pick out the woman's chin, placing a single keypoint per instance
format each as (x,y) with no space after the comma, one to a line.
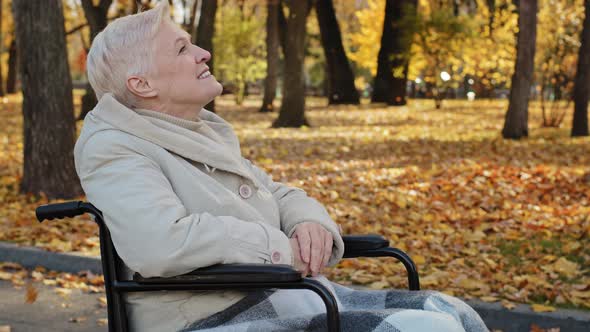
(219,89)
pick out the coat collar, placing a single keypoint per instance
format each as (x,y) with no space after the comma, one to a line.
(223,154)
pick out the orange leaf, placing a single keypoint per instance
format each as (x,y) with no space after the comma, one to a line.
(31,295)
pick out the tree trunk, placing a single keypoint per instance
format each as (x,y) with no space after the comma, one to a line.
(582,82)
(491,4)
(204,35)
(190,25)
(341,89)
(97,20)
(49,126)
(282,27)
(272,56)
(394,53)
(292,112)
(1,50)
(12,64)
(516,122)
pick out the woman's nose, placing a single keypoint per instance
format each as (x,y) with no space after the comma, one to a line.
(202,55)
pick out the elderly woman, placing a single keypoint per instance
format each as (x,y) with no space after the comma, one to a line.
(177,195)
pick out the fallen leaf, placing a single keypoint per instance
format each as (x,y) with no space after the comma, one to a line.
(438,184)
(566,267)
(419,259)
(379,285)
(63,291)
(37,276)
(31,294)
(508,305)
(582,295)
(489,299)
(542,308)
(469,283)
(77,319)
(49,282)
(102,301)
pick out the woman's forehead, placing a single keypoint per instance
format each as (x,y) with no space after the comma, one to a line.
(170,34)
(168,39)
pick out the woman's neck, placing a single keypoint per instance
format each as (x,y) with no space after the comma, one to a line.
(187,112)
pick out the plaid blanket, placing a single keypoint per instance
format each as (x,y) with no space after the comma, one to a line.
(360,310)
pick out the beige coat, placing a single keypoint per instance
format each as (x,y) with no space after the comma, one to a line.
(177,195)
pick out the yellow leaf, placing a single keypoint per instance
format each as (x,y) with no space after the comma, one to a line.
(549,258)
(542,308)
(468,283)
(419,259)
(428,218)
(571,246)
(429,281)
(102,321)
(379,285)
(566,268)
(473,236)
(582,295)
(471,251)
(37,276)
(103,301)
(489,298)
(508,305)
(63,291)
(401,202)
(490,262)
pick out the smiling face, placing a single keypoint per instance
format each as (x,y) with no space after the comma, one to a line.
(179,80)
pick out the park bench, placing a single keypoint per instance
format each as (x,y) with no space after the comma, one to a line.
(218,277)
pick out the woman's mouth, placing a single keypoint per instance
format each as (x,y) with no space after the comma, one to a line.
(204,75)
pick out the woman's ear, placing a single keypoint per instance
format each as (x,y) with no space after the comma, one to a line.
(140,87)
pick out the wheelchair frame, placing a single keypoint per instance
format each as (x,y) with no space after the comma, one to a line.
(218,277)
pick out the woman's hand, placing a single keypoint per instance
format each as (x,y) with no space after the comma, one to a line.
(298,263)
(312,247)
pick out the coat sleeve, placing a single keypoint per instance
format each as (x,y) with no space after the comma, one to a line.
(296,207)
(151,229)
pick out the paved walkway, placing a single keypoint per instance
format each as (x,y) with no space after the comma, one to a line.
(50,312)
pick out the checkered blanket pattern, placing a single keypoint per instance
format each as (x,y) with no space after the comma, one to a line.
(360,310)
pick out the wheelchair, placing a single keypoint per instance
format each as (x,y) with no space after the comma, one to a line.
(218,277)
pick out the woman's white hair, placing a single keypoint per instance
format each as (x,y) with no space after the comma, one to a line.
(122,49)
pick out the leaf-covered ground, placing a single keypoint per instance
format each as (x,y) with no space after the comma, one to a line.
(482,217)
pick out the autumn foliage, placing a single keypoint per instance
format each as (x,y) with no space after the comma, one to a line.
(481,216)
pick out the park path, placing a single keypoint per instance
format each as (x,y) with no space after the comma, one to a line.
(77,311)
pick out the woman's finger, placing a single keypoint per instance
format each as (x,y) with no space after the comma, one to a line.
(317,246)
(328,243)
(299,265)
(304,241)
(321,253)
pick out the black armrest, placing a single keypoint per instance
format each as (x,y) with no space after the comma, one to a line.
(59,210)
(357,245)
(229,273)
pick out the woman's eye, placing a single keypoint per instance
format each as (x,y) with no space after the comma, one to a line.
(182,49)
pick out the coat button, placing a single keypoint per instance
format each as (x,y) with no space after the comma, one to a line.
(245,191)
(275,257)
